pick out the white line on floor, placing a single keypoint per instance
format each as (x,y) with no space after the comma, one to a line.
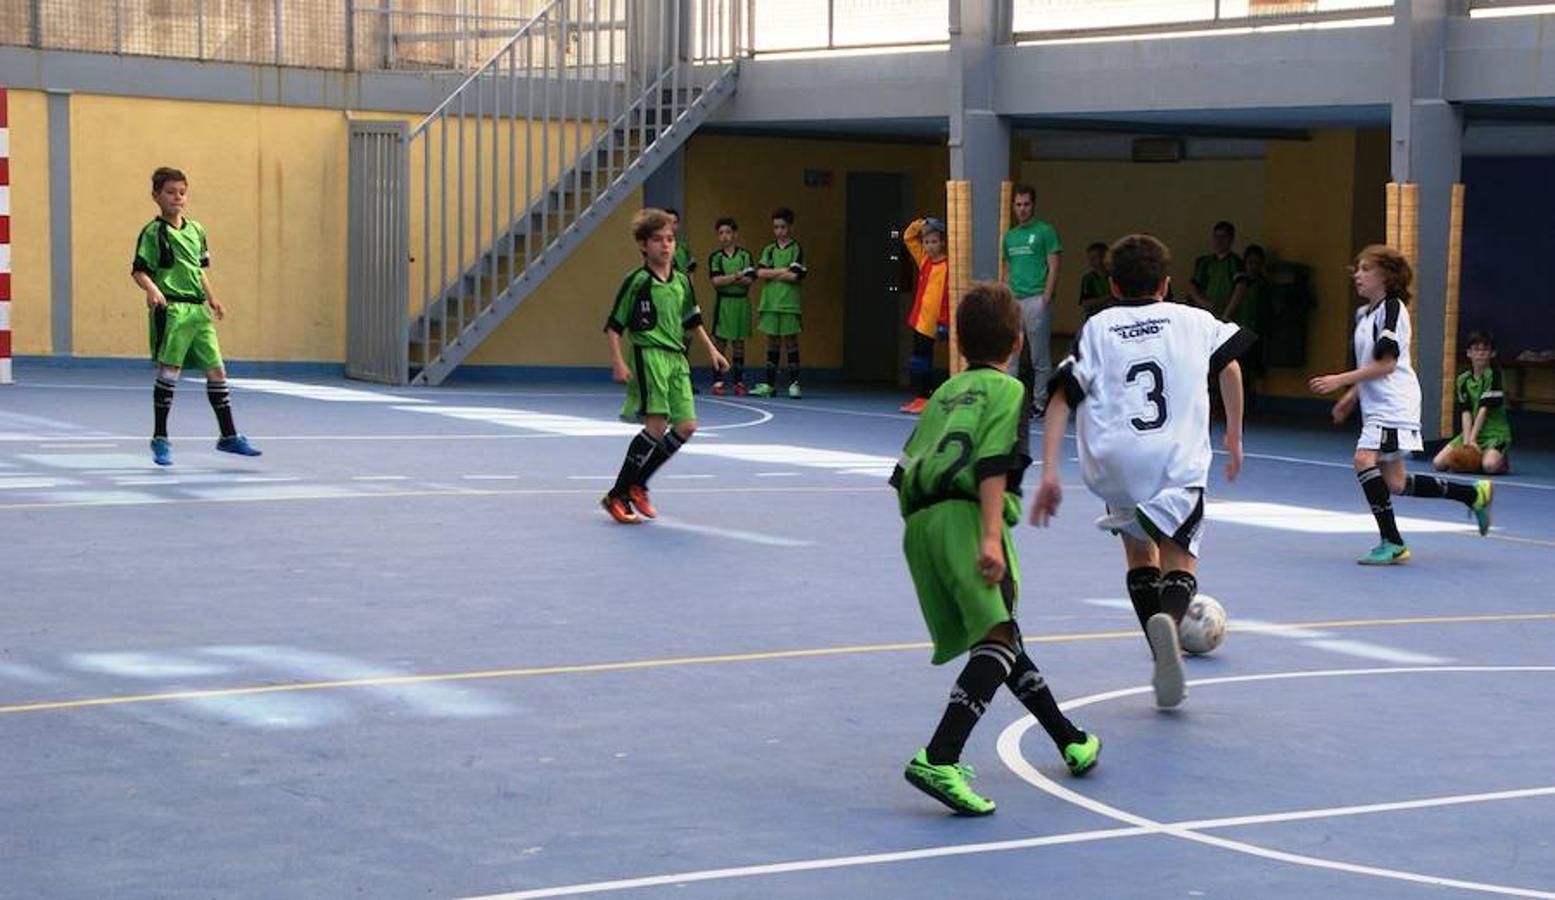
(380,477)
(733,534)
(490,477)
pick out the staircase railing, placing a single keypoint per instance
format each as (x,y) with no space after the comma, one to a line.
(512,170)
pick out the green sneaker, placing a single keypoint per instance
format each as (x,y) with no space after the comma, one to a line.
(948,785)
(1484,494)
(761,390)
(1082,756)
(1386,553)
(793,391)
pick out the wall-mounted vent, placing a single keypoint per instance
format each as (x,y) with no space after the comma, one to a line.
(1158,149)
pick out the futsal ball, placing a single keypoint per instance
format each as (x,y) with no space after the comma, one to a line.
(1204,625)
(1464,460)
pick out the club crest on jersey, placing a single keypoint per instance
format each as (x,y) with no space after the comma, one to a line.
(1139,330)
(969,397)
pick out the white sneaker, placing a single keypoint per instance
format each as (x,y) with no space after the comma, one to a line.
(1168,681)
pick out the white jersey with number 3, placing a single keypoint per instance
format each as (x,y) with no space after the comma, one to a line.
(1139,381)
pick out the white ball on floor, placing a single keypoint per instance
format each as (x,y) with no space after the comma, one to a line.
(1203,627)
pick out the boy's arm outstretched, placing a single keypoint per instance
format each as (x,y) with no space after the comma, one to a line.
(990,554)
(1050,493)
(1231,397)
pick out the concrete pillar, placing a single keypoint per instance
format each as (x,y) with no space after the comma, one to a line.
(1427,149)
(979,138)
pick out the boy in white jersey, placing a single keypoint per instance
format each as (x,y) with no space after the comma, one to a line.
(1384,385)
(1139,380)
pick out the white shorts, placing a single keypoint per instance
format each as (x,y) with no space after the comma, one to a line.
(1175,514)
(1390,443)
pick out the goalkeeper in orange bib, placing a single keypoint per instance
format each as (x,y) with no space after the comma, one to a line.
(929,318)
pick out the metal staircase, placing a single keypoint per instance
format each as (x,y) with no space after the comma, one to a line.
(456,222)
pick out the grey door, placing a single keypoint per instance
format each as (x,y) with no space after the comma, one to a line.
(873,331)
(377,323)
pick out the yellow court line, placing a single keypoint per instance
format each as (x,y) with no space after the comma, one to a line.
(443,492)
(392,680)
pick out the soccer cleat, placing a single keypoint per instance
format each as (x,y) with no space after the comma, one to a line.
(761,390)
(620,510)
(237,443)
(640,502)
(793,391)
(740,389)
(161,451)
(1081,757)
(718,389)
(1484,495)
(948,784)
(913,407)
(1386,553)
(1168,680)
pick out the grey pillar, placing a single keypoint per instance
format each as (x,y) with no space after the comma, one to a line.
(979,138)
(666,187)
(1427,150)
(61,241)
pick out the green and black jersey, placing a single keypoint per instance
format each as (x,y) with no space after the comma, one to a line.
(173,257)
(1487,392)
(684,261)
(782,296)
(968,431)
(1093,287)
(721,263)
(655,312)
(1216,277)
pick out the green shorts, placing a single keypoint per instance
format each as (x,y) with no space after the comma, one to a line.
(958,606)
(660,385)
(732,318)
(183,336)
(779,324)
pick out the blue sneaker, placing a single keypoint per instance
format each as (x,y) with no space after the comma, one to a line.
(1385,553)
(238,444)
(1484,495)
(161,451)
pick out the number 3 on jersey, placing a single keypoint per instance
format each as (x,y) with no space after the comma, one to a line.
(1148,373)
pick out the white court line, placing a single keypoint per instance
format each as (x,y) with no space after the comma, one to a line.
(490,477)
(10,483)
(1322,640)
(777,474)
(734,534)
(1009,752)
(380,477)
(84,444)
(590,477)
(690,477)
(1075,837)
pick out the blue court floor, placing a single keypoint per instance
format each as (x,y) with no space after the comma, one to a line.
(405,654)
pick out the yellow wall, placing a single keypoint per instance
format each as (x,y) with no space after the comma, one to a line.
(30,281)
(748,177)
(1318,200)
(269,185)
(1177,202)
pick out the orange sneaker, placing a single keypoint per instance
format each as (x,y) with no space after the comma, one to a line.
(740,389)
(639,497)
(620,510)
(718,389)
(914,406)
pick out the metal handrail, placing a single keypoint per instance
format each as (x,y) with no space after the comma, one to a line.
(1216,22)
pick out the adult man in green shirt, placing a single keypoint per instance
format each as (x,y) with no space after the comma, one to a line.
(1031,249)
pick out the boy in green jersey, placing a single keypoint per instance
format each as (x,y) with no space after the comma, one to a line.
(958,488)
(1481,404)
(171,256)
(654,308)
(1219,278)
(684,260)
(1093,283)
(782,266)
(731,270)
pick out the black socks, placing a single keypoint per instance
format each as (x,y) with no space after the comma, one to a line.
(1375,487)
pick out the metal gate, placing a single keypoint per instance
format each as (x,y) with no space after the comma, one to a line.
(377,299)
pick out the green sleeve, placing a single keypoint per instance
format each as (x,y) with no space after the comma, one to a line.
(766,257)
(1054,245)
(995,450)
(622,306)
(147,254)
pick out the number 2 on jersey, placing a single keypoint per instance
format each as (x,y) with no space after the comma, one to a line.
(1155,394)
